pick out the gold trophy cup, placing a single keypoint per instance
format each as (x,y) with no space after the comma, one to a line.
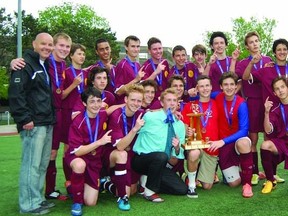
(195,141)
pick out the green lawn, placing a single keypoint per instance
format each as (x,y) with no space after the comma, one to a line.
(221,200)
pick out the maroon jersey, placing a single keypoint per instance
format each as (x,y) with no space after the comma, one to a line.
(79,135)
(125,72)
(251,90)
(55,71)
(217,69)
(266,80)
(68,76)
(155,104)
(161,79)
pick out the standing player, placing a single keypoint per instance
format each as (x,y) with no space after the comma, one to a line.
(253,93)
(280,68)
(86,139)
(234,145)
(184,68)
(127,71)
(219,62)
(156,68)
(276,127)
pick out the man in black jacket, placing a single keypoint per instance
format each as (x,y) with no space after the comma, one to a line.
(30,100)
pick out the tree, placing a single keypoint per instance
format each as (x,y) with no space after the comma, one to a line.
(82,24)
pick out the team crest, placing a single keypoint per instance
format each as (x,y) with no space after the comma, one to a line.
(190,73)
(166,73)
(104,126)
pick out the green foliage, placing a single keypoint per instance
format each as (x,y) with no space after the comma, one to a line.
(264,28)
(82,24)
(4,81)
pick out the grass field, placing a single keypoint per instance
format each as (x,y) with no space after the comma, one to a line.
(221,200)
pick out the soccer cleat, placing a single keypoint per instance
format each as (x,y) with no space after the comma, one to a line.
(247,191)
(123,203)
(154,198)
(76,209)
(192,193)
(269,186)
(56,195)
(255,179)
(103,181)
(198,184)
(46,204)
(262,175)
(39,211)
(141,190)
(279,179)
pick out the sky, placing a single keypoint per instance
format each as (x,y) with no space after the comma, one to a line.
(180,22)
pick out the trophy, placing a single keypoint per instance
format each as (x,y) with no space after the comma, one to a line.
(196,141)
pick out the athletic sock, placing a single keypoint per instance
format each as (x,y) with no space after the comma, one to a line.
(267,163)
(246,163)
(192,179)
(77,187)
(51,177)
(67,169)
(255,163)
(120,179)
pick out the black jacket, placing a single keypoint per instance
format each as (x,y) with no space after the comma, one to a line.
(30,95)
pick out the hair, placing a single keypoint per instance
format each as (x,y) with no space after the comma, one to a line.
(130,37)
(227,75)
(217,34)
(175,77)
(250,34)
(278,79)
(94,71)
(277,42)
(100,40)
(135,88)
(90,91)
(167,91)
(151,83)
(199,48)
(152,41)
(74,47)
(203,77)
(178,48)
(61,35)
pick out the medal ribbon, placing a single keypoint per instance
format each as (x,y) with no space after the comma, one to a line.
(80,87)
(229,116)
(205,118)
(254,65)
(279,73)
(159,76)
(284,117)
(57,81)
(133,65)
(220,67)
(125,121)
(90,130)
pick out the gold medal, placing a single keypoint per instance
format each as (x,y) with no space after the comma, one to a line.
(93,152)
(58,91)
(185,92)
(203,130)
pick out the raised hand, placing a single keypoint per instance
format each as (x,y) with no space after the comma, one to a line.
(268,105)
(106,138)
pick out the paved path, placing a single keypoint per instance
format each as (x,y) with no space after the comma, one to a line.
(8,130)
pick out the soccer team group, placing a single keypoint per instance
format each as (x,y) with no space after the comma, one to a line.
(125,126)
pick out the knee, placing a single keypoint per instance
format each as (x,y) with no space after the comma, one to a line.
(193,155)
(122,156)
(90,202)
(161,157)
(79,165)
(207,186)
(265,145)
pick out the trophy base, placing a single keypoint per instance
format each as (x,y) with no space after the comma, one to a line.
(195,144)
